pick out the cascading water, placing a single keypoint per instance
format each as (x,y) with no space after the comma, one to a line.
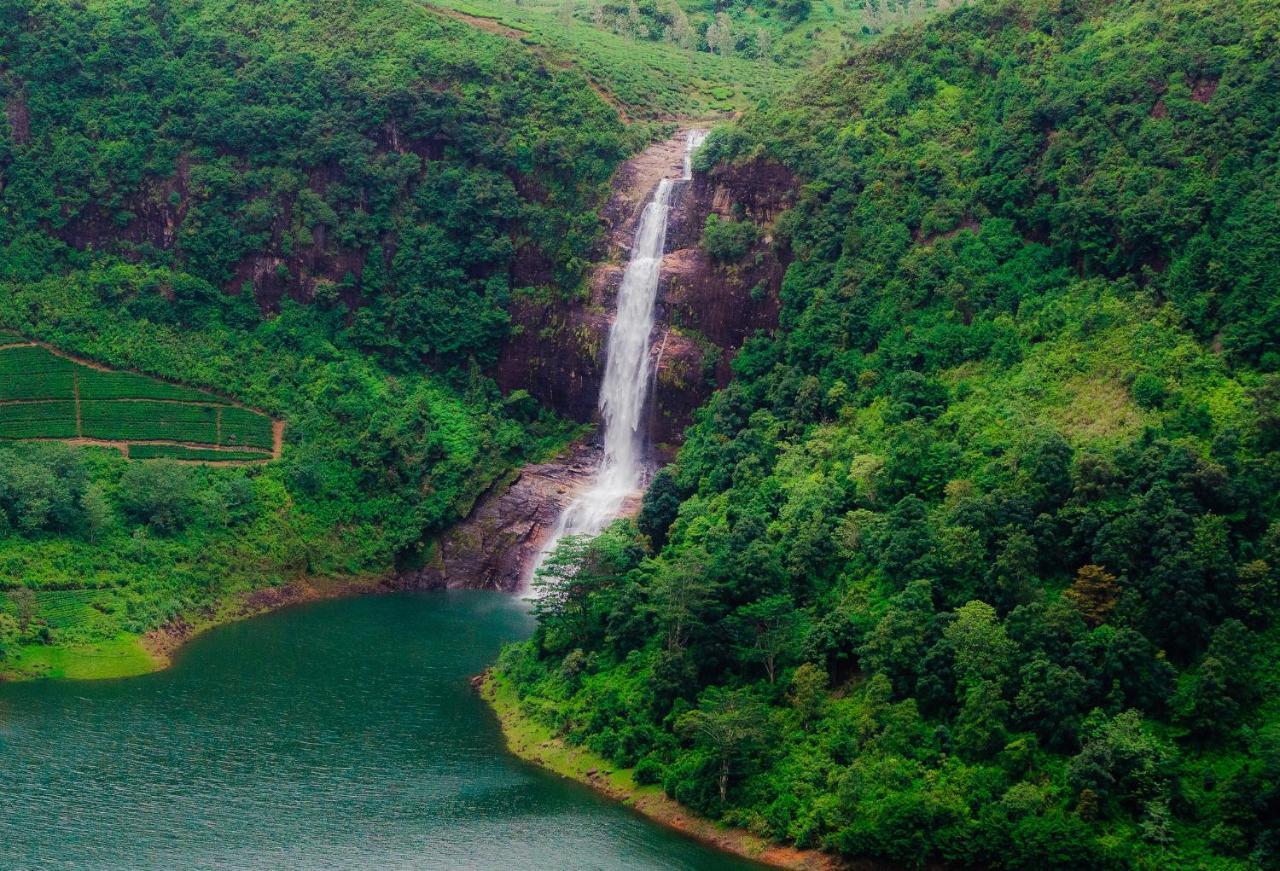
(626,376)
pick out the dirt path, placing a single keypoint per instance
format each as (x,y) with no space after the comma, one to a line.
(277,438)
(491,25)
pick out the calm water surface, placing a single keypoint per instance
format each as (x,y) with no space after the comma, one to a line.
(336,735)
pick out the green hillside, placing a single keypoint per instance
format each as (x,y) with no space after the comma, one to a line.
(315,209)
(692,59)
(976,559)
(44,395)
(363,153)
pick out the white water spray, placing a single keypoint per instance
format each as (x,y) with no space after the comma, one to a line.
(626,376)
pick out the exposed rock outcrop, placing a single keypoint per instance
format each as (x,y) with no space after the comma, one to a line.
(705,309)
(18,117)
(494,547)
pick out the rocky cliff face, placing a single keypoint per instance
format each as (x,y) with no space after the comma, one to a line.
(494,547)
(557,350)
(705,309)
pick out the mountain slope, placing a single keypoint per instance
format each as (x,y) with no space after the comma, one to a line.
(368,153)
(976,559)
(175,177)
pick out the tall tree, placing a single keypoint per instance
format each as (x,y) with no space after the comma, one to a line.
(731,723)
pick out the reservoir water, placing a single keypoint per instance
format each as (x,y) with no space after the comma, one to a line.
(337,735)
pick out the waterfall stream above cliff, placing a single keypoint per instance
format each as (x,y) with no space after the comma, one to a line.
(627,377)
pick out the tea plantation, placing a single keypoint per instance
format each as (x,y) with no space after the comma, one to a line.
(45,395)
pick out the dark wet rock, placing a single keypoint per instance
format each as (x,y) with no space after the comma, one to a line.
(494,548)
(706,309)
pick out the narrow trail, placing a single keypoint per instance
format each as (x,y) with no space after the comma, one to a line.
(277,438)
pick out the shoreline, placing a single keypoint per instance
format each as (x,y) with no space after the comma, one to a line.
(135,655)
(164,642)
(534,743)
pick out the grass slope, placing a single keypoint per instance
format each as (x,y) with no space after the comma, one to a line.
(655,60)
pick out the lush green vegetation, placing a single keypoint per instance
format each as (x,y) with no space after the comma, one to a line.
(976,560)
(46,419)
(370,151)
(46,396)
(165,167)
(692,58)
(31,372)
(726,239)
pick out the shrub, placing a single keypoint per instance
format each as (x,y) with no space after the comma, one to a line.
(727,240)
(648,770)
(1149,391)
(159,494)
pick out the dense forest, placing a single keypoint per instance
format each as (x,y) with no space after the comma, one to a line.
(975,561)
(320,209)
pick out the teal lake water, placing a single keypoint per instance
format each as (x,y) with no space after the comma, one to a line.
(338,735)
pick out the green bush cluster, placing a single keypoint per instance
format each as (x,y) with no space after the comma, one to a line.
(727,240)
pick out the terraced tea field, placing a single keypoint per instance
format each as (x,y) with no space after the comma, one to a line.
(45,394)
(65,610)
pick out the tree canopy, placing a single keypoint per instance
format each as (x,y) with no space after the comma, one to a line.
(987,529)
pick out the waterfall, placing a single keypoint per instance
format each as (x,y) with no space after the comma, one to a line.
(626,376)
